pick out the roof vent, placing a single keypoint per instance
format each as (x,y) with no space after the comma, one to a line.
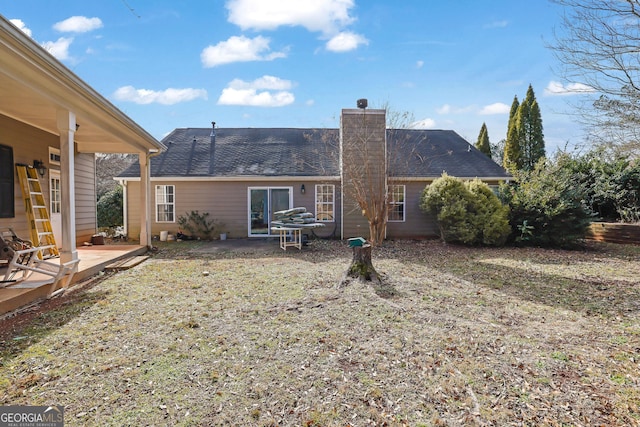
(362,103)
(213,132)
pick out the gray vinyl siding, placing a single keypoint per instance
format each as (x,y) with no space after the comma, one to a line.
(86,204)
(417,224)
(132,208)
(28,144)
(225,201)
(31,144)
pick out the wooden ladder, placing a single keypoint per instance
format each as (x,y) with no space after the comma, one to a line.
(37,212)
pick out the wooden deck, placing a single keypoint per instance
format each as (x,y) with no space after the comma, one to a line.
(93,259)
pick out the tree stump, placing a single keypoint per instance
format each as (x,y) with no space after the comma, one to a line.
(361,266)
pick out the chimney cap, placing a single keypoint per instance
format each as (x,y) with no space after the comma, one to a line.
(362,103)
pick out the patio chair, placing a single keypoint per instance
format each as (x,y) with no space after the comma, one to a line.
(23,260)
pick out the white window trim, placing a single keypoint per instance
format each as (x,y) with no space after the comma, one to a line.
(55,203)
(54,152)
(333,202)
(403,203)
(172,204)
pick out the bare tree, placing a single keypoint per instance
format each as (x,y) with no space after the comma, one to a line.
(364,169)
(598,46)
(108,166)
(367,163)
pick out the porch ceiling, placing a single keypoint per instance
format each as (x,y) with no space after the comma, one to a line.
(34,86)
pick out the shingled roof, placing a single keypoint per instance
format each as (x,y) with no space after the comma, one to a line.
(271,152)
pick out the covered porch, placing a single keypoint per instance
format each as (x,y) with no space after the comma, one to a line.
(93,259)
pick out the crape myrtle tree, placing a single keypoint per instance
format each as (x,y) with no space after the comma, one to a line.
(364,172)
(597,46)
(367,166)
(483,143)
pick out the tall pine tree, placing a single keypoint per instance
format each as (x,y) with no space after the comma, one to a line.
(483,143)
(511,160)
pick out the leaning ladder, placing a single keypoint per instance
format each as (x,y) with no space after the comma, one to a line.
(37,212)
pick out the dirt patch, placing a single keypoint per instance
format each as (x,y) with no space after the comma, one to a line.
(265,337)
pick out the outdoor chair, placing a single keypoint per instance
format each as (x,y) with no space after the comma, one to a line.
(23,260)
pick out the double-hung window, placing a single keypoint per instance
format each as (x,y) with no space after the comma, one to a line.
(325,202)
(165,203)
(396,202)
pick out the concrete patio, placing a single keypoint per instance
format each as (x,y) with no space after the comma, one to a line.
(93,259)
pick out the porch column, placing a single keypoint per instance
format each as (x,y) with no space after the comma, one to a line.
(145,199)
(67,128)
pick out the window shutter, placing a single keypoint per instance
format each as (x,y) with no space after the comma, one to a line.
(7,190)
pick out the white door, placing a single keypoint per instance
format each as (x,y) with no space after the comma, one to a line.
(54,205)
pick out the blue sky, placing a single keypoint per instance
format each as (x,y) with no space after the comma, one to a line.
(297,63)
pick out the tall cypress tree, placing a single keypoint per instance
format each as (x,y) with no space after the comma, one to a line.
(483,143)
(511,160)
(538,150)
(524,145)
(522,124)
(530,131)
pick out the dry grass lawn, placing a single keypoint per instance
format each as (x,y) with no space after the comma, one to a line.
(472,337)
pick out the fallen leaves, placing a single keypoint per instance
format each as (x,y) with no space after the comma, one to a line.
(267,338)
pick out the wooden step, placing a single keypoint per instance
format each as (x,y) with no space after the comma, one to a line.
(127,263)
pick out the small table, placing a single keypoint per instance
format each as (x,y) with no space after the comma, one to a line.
(285,242)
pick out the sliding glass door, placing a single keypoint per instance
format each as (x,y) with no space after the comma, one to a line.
(263,202)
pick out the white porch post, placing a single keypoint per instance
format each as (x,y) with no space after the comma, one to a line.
(67,127)
(145,200)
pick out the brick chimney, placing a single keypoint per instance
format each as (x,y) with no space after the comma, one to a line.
(363,156)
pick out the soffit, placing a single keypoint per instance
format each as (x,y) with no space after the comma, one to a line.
(34,86)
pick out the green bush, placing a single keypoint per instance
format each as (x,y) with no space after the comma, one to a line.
(611,183)
(491,216)
(467,213)
(110,208)
(197,224)
(547,206)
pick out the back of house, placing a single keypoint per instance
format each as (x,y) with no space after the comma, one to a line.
(239,177)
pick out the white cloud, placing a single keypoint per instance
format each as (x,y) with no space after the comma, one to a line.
(21,25)
(166,97)
(419,64)
(264,82)
(448,109)
(423,124)
(346,41)
(325,16)
(558,89)
(267,91)
(239,49)
(78,24)
(445,109)
(496,108)
(59,48)
(496,24)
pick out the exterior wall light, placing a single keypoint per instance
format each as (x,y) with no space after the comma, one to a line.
(37,164)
